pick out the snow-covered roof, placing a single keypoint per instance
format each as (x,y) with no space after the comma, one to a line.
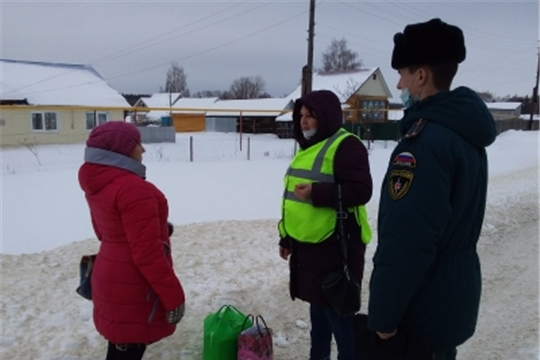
(194,103)
(342,84)
(249,107)
(503,105)
(163,99)
(43,83)
(287,117)
(198,104)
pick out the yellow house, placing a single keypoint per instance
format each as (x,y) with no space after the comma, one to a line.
(187,114)
(363,94)
(51,103)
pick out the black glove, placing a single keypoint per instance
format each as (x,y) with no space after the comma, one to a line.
(174,316)
(171,228)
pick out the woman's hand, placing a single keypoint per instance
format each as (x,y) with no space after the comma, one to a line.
(284,253)
(303,191)
(174,316)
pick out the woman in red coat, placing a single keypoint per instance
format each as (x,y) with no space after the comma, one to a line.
(137,297)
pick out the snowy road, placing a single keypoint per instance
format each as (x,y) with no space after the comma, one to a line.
(237,262)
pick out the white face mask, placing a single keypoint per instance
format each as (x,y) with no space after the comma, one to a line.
(308,134)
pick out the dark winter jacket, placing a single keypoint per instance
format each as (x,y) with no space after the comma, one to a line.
(426,274)
(133,281)
(310,263)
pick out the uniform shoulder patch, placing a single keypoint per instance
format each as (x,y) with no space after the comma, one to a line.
(405,159)
(416,129)
(399,183)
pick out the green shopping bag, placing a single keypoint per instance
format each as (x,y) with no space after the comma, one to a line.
(221,331)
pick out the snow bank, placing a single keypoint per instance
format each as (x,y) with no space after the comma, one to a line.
(236,262)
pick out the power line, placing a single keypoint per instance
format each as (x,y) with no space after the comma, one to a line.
(474,32)
(366,12)
(180,59)
(384,56)
(353,35)
(177,36)
(122,52)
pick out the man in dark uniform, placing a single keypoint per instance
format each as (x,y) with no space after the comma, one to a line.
(426,277)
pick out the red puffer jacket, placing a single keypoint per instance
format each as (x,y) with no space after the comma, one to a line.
(133,281)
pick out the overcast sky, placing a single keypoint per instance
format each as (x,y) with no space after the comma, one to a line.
(132,43)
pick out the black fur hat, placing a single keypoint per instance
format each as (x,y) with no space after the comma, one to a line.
(429,43)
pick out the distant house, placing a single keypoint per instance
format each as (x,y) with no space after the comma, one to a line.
(254,116)
(46,103)
(363,94)
(504,110)
(133,98)
(157,100)
(186,114)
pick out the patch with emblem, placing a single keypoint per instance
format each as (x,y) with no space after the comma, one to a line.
(399,183)
(405,159)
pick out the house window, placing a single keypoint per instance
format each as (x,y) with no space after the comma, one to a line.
(92,122)
(372,110)
(44,121)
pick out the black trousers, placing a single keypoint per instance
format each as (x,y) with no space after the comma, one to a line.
(125,351)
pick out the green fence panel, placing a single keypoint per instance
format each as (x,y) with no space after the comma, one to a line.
(378,131)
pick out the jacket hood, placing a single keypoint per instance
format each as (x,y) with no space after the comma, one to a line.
(326,107)
(102,167)
(461,110)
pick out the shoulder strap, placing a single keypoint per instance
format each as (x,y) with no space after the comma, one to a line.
(341,215)
(416,129)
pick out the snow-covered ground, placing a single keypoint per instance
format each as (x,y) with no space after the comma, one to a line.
(225,247)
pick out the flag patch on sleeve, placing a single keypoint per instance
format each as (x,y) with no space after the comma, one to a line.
(405,159)
(399,183)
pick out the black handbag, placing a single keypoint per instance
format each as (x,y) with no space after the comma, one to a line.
(339,287)
(85,273)
(405,345)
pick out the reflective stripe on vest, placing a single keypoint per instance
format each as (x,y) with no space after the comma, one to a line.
(300,219)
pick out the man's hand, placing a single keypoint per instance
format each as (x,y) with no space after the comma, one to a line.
(302,191)
(284,253)
(386,336)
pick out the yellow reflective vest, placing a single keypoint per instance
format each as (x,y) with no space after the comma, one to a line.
(300,219)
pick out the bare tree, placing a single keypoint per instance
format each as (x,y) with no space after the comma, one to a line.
(338,57)
(208,93)
(250,87)
(176,81)
(350,89)
(486,96)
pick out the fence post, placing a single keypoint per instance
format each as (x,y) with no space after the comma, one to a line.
(191,148)
(249,148)
(241,121)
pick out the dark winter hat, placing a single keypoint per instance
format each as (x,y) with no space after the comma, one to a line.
(429,43)
(116,136)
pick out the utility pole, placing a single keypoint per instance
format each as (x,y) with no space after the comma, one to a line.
(534,99)
(307,71)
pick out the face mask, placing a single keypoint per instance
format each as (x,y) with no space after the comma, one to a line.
(407,99)
(308,134)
